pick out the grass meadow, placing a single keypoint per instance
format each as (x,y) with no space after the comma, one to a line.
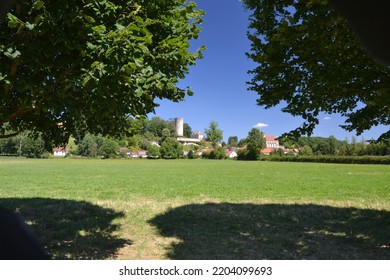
(201,209)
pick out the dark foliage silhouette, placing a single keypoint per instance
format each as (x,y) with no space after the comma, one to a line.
(70,229)
(17,242)
(275,231)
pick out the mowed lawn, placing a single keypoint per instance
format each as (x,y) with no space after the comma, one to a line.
(201,209)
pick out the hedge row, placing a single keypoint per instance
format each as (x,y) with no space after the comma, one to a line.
(331,159)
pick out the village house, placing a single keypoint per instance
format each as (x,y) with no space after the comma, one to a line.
(271,144)
(139,154)
(197,135)
(60,151)
(292,151)
(267,151)
(231,154)
(125,150)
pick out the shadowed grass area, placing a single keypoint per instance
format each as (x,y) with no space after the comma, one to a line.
(70,229)
(274,231)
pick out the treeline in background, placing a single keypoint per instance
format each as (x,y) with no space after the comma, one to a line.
(158,138)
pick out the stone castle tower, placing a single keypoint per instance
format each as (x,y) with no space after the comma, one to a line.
(179,122)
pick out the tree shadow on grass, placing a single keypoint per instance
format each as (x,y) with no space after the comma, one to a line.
(275,231)
(70,229)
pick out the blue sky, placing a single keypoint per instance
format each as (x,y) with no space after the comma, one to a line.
(219,83)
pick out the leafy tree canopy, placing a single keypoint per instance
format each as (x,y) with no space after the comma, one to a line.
(156,126)
(232,141)
(171,149)
(256,138)
(255,143)
(81,65)
(153,151)
(187,130)
(213,133)
(310,61)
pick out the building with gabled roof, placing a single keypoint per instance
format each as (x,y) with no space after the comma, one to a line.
(60,151)
(272,142)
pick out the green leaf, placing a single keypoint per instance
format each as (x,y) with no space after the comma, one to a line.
(100,29)
(13,21)
(4,78)
(130,68)
(190,92)
(91,46)
(139,62)
(11,53)
(30,26)
(38,5)
(95,64)
(119,26)
(89,19)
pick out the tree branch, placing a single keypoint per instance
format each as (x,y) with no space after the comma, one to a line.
(5,136)
(15,115)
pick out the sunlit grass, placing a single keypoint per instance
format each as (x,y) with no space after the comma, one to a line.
(136,194)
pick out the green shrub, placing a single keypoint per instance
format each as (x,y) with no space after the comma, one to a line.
(153,151)
(192,155)
(331,159)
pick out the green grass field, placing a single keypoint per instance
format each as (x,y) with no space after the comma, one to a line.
(201,209)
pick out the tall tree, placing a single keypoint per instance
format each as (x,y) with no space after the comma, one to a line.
(81,65)
(255,143)
(171,149)
(156,125)
(309,59)
(153,151)
(232,141)
(332,145)
(109,148)
(213,133)
(165,134)
(187,130)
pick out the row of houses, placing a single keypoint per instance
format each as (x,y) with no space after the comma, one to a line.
(62,151)
(230,153)
(134,154)
(272,144)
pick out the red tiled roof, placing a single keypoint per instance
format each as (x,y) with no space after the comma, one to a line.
(270,138)
(61,149)
(267,151)
(124,150)
(228,152)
